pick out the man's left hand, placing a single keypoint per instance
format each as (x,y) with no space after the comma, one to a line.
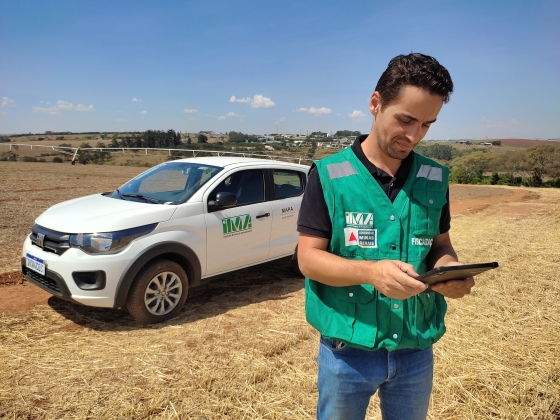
(454,289)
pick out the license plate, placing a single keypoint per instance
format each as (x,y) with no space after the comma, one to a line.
(35,264)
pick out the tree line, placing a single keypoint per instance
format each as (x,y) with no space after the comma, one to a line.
(537,166)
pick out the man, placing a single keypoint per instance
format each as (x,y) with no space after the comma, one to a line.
(373,217)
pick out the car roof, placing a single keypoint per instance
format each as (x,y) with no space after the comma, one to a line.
(231,161)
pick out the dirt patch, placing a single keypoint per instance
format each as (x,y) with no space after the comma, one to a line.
(473,199)
(8,279)
(528,142)
(21,297)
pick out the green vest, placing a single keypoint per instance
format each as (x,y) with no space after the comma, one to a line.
(367,226)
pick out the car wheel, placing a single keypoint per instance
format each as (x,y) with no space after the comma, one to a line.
(158,293)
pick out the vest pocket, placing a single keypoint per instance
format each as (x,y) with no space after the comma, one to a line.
(426,212)
(427,317)
(355,318)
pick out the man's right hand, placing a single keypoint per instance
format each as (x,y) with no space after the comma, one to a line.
(396,279)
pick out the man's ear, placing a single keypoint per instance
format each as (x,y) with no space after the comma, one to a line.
(375,103)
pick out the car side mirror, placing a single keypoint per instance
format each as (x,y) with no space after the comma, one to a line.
(223,200)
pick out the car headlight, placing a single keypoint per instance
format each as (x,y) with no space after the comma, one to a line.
(108,242)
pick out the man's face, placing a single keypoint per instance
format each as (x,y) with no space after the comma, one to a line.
(403,123)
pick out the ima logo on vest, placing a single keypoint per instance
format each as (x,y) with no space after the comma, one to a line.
(359,220)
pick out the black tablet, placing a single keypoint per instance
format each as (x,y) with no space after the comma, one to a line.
(454,272)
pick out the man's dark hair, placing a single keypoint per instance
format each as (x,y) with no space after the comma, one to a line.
(414,69)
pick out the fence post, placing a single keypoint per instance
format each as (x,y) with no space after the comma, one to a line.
(146,151)
(74,157)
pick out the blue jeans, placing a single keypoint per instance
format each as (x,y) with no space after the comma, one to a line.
(348,378)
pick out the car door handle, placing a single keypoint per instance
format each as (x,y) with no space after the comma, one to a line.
(263,215)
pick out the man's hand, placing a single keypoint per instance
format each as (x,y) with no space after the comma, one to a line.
(396,279)
(454,289)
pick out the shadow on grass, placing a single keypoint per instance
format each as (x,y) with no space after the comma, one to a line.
(270,281)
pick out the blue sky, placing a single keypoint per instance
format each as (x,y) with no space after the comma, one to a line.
(262,66)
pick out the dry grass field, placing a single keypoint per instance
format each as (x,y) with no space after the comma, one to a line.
(241,348)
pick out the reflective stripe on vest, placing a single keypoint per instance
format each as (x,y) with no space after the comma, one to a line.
(339,170)
(430,172)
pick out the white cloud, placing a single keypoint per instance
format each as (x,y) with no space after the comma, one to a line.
(315,111)
(81,107)
(136,100)
(281,120)
(230,114)
(258,101)
(190,111)
(63,106)
(7,101)
(246,100)
(357,115)
(143,112)
(52,110)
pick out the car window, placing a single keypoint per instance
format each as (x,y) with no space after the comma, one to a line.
(172,182)
(164,180)
(287,183)
(248,187)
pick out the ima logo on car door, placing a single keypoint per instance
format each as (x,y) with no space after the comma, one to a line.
(236,225)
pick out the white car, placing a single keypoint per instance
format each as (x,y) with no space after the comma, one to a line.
(143,245)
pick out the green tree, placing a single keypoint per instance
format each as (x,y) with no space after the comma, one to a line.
(347,133)
(437,151)
(239,137)
(473,166)
(313,149)
(543,160)
(202,138)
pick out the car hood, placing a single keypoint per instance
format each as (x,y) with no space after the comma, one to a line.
(97,213)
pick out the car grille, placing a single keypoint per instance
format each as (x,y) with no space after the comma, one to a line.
(53,241)
(39,279)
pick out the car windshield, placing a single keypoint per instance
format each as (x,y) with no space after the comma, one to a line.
(169,183)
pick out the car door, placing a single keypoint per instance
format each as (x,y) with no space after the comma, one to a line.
(239,236)
(287,195)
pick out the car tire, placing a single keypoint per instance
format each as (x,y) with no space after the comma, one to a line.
(158,292)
